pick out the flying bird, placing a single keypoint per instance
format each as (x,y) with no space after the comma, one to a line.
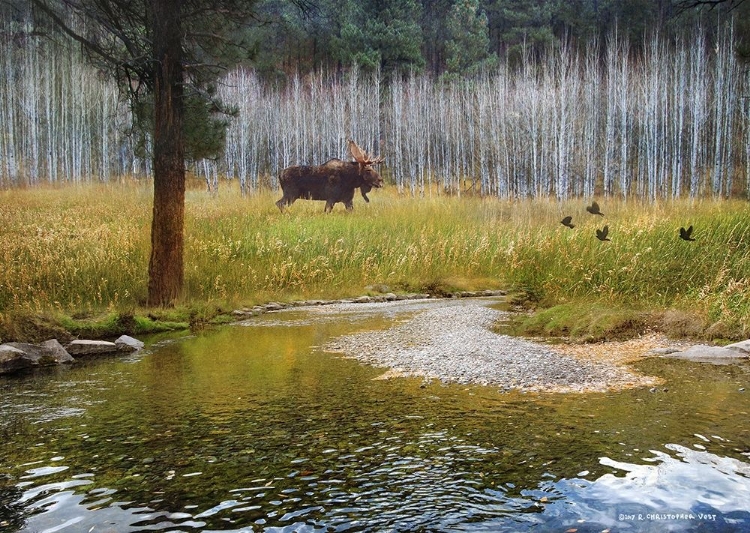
(601,234)
(686,234)
(594,209)
(567,221)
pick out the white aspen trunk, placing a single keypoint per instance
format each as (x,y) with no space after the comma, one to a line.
(563,82)
(651,86)
(51,112)
(589,113)
(532,95)
(679,86)
(719,115)
(31,114)
(623,122)
(397,123)
(733,119)
(697,90)
(615,49)
(9,92)
(724,105)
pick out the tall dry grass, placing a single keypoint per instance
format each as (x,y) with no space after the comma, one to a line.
(86,248)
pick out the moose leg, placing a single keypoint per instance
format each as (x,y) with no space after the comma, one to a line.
(280,204)
(284,201)
(348,199)
(364,190)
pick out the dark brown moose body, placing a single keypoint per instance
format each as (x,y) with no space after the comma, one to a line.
(334,181)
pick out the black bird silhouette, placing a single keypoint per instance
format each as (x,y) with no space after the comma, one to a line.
(686,234)
(594,209)
(601,234)
(567,221)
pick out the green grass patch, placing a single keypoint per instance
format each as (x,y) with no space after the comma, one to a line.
(583,322)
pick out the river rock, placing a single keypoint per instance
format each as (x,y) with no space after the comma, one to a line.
(57,351)
(12,359)
(86,347)
(16,356)
(708,354)
(48,353)
(128,344)
(743,347)
(244,313)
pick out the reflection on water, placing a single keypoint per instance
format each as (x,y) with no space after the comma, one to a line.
(251,428)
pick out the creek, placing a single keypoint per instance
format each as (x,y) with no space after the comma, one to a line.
(253,427)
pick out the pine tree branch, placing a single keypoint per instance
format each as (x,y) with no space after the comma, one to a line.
(88,44)
(684,5)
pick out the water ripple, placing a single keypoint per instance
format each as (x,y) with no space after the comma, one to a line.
(250,429)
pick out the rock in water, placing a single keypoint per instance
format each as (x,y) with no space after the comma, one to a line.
(709,354)
(48,353)
(743,347)
(12,359)
(126,343)
(85,347)
(57,351)
(16,356)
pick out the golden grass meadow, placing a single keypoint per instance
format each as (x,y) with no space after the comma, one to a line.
(78,251)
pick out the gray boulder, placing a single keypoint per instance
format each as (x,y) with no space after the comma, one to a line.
(49,353)
(16,356)
(12,359)
(57,351)
(743,347)
(86,347)
(128,344)
(708,354)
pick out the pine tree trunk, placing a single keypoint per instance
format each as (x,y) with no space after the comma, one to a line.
(166,264)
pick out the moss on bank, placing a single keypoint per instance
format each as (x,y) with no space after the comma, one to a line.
(38,327)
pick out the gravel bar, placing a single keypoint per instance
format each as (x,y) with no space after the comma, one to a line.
(455,344)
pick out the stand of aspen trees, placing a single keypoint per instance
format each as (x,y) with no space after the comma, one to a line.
(671,119)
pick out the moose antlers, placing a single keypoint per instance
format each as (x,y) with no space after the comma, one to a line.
(362,157)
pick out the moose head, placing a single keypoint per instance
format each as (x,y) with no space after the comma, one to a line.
(366,162)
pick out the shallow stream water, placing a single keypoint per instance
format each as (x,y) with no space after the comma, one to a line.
(253,428)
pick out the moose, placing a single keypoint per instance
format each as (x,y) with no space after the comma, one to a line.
(333,181)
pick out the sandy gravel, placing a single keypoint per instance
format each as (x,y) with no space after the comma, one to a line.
(453,342)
